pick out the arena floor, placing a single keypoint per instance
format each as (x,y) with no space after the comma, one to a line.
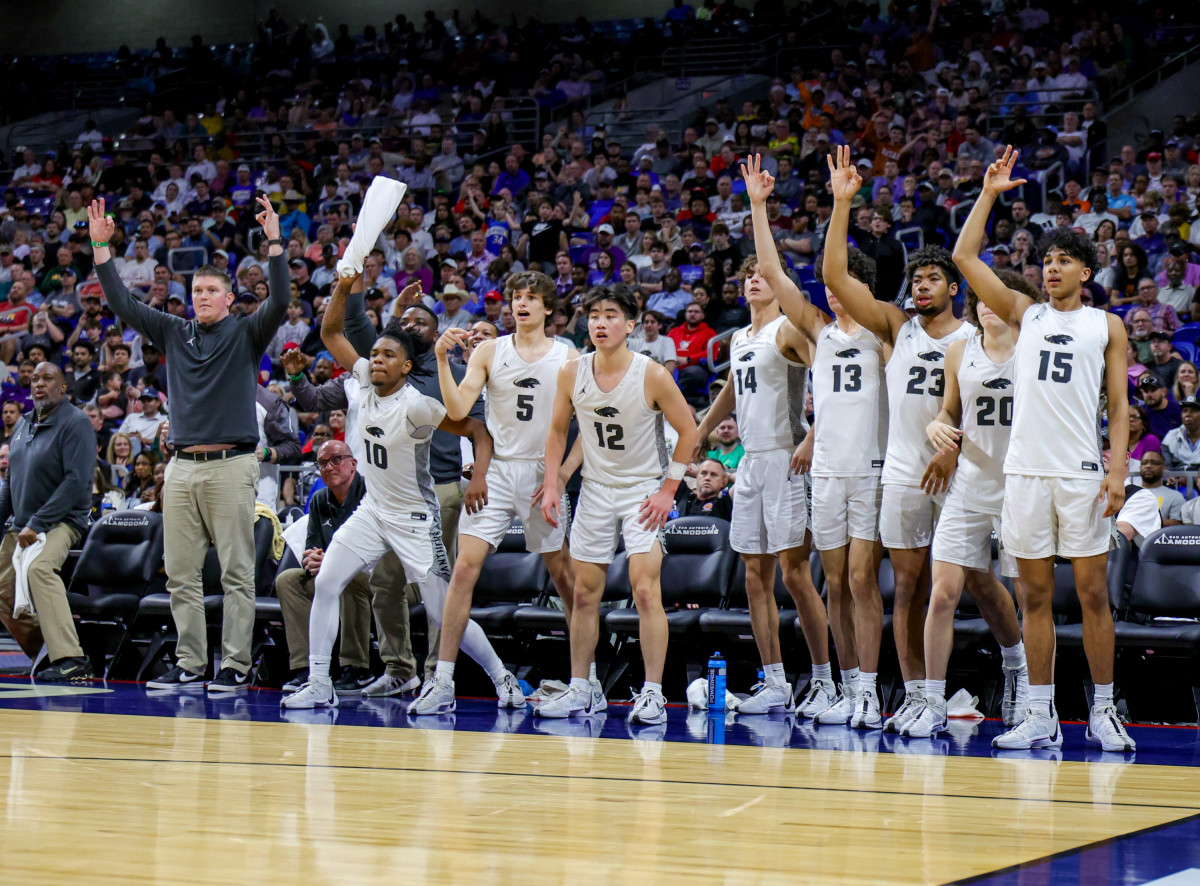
(115,784)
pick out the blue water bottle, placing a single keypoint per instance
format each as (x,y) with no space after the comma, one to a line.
(716,682)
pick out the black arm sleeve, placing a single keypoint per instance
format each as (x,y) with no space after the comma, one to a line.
(311,398)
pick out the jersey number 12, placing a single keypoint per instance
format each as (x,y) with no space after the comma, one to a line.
(615,433)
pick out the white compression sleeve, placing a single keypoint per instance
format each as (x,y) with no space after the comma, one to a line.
(379,205)
(338,568)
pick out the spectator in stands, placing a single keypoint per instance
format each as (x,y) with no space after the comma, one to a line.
(329,508)
(1163,361)
(1170,502)
(1140,438)
(48,495)
(650,341)
(711,496)
(1181,446)
(214,434)
(10,413)
(1140,326)
(1187,381)
(1174,291)
(691,339)
(16,314)
(19,390)
(143,421)
(1160,405)
(729,450)
(672,298)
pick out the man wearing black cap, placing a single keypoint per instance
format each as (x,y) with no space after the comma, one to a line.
(1181,446)
(326,274)
(1163,363)
(1164,412)
(209,491)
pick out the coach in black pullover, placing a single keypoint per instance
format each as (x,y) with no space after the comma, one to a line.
(208,496)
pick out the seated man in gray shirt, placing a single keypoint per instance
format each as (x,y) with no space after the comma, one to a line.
(48,495)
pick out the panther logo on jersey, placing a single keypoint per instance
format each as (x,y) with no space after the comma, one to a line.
(608,411)
(374,431)
(527,382)
(848,353)
(746,358)
(930,356)
(997,384)
(1058,339)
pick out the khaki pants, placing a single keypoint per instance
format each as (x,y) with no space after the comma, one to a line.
(53,623)
(295,590)
(211,501)
(450,497)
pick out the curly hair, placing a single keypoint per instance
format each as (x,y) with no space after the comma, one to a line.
(535,282)
(1078,246)
(861,267)
(933,256)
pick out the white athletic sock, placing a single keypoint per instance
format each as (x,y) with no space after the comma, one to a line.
(592,671)
(851,677)
(822,672)
(318,669)
(913,687)
(1014,656)
(581,684)
(774,674)
(935,690)
(1103,696)
(444,671)
(652,687)
(866,681)
(1041,700)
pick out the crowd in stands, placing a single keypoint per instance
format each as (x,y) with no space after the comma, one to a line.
(926,98)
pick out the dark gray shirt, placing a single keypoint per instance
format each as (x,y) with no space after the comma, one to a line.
(50,471)
(212,369)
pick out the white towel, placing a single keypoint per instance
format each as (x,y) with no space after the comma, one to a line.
(962,704)
(22,559)
(296,535)
(379,206)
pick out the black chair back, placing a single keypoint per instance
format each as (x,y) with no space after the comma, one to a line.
(1168,574)
(123,548)
(699,564)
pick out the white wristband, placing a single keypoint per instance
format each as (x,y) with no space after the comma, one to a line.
(676,471)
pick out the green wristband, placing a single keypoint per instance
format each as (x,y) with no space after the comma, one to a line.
(296,377)
(99,245)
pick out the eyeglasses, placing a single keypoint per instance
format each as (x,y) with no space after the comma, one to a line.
(332,462)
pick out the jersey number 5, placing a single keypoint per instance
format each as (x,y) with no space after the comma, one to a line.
(615,433)
(524,407)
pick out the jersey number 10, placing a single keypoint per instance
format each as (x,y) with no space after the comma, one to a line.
(376,454)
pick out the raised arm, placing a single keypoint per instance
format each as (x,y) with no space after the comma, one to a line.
(882,318)
(1005,302)
(459,397)
(267,318)
(333,326)
(150,323)
(798,309)
(665,394)
(556,440)
(1116,380)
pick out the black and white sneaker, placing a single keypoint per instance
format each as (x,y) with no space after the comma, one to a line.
(352,681)
(228,680)
(66,670)
(298,680)
(176,678)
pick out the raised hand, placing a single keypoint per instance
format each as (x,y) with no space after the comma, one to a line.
(410,294)
(100,226)
(759,182)
(268,218)
(294,361)
(844,180)
(998,178)
(449,340)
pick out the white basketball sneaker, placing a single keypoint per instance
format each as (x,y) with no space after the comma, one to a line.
(649,709)
(1016,695)
(821,696)
(565,704)
(508,692)
(1106,730)
(1035,731)
(387,686)
(599,702)
(866,711)
(912,704)
(770,697)
(929,721)
(311,695)
(840,712)
(437,697)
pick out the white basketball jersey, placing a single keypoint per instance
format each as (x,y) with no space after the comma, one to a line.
(395,462)
(350,383)
(520,399)
(916,381)
(847,382)
(623,442)
(986,390)
(1059,376)
(768,390)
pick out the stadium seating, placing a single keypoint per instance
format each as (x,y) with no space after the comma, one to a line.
(1164,601)
(512,578)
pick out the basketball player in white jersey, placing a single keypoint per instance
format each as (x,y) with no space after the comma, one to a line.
(769,362)
(915,376)
(973,424)
(620,399)
(400,510)
(520,373)
(1057,500)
